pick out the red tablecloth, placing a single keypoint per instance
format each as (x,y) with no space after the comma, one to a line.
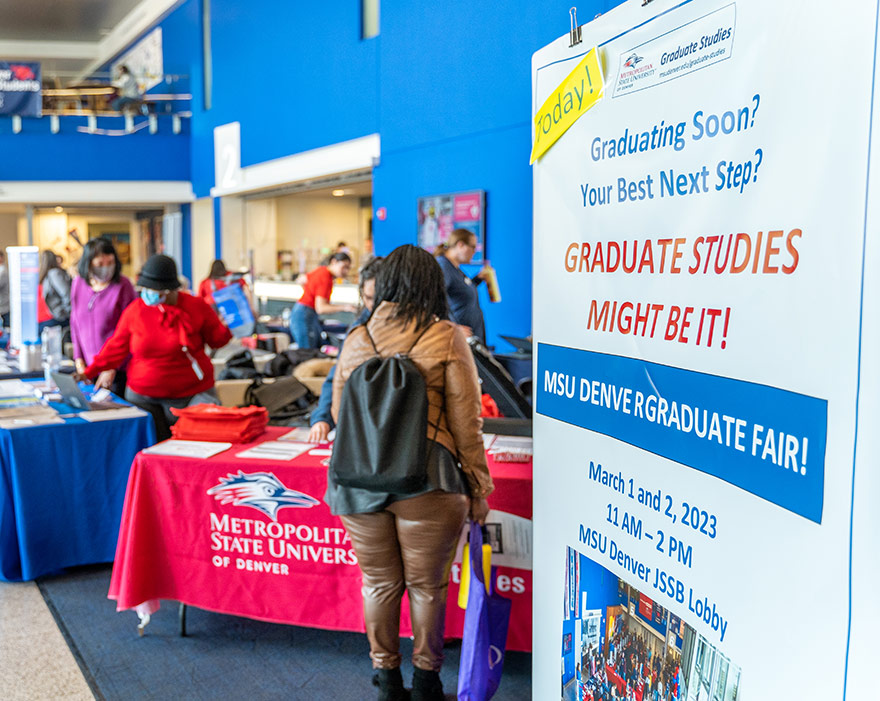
(615,678)
(184,538)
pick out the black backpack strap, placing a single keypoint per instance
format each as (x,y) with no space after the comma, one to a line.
(439,418)
(418,338)
(372,342)
(442,394)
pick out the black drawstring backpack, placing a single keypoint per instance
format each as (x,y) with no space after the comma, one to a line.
(381,430)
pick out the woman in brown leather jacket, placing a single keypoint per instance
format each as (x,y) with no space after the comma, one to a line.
(409,542)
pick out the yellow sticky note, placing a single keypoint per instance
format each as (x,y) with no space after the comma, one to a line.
(580,90)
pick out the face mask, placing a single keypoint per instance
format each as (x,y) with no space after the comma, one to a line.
(103,273)
(151,297)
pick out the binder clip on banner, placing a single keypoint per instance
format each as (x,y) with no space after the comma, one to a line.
(486,618)
(574,35)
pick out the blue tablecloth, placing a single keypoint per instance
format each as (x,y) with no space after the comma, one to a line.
(61,492)
(15,375)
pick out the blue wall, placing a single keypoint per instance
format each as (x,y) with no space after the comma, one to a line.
(495,161)
(37,154)
(446,85)
(295,75)
(455,114)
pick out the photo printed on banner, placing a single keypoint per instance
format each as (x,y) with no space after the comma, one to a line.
(619,643)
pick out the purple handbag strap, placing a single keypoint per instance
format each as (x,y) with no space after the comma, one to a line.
(476,554)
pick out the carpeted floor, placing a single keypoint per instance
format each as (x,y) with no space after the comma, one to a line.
(223,657)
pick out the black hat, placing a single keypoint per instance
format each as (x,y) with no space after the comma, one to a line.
(159,273)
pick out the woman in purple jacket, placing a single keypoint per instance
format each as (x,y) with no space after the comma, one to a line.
(97,298)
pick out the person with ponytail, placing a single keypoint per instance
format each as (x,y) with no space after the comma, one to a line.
(461,290)
(305,326)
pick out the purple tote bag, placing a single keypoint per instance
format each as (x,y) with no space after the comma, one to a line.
(485,631)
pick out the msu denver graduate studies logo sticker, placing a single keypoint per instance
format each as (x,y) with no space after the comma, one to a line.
(262,491)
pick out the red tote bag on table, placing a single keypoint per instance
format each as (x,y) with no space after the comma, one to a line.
(208,422)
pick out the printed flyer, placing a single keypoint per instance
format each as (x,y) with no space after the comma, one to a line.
(706,334)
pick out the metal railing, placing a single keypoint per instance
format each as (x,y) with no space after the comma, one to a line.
(96,100)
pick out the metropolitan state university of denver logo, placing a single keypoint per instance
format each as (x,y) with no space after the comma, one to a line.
(258,545)
(632,60)
(259,490)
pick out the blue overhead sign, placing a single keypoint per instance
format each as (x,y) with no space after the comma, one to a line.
(21,89)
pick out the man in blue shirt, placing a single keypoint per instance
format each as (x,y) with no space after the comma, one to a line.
(461,290)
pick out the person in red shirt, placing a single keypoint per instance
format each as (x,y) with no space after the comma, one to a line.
(217,279)
(305,327)
(165,332)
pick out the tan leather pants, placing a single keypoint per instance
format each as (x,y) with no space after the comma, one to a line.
(408,545)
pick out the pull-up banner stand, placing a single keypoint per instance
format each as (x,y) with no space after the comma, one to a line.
(24,279)
(707,351)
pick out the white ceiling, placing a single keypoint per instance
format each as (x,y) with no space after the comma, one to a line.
(62,20)
(74,37)
(359,189)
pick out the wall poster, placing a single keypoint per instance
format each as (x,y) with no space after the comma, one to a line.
(117,233)
(707,400)
(440,215)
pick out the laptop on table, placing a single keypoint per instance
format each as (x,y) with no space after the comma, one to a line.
(73,395)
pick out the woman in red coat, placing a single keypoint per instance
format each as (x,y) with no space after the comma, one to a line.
(165,333)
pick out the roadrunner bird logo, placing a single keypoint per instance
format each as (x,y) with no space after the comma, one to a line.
(22,72)
(260,490)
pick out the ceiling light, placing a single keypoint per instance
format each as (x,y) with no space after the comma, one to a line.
(338,193)
(59,209)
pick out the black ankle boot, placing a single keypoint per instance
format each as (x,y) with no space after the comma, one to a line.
(427,686)
(390,684)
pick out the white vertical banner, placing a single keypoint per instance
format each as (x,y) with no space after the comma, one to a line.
(706,333)
(24,278)
(172,237)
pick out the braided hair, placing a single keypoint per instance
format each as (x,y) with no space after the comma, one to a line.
(411,278)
